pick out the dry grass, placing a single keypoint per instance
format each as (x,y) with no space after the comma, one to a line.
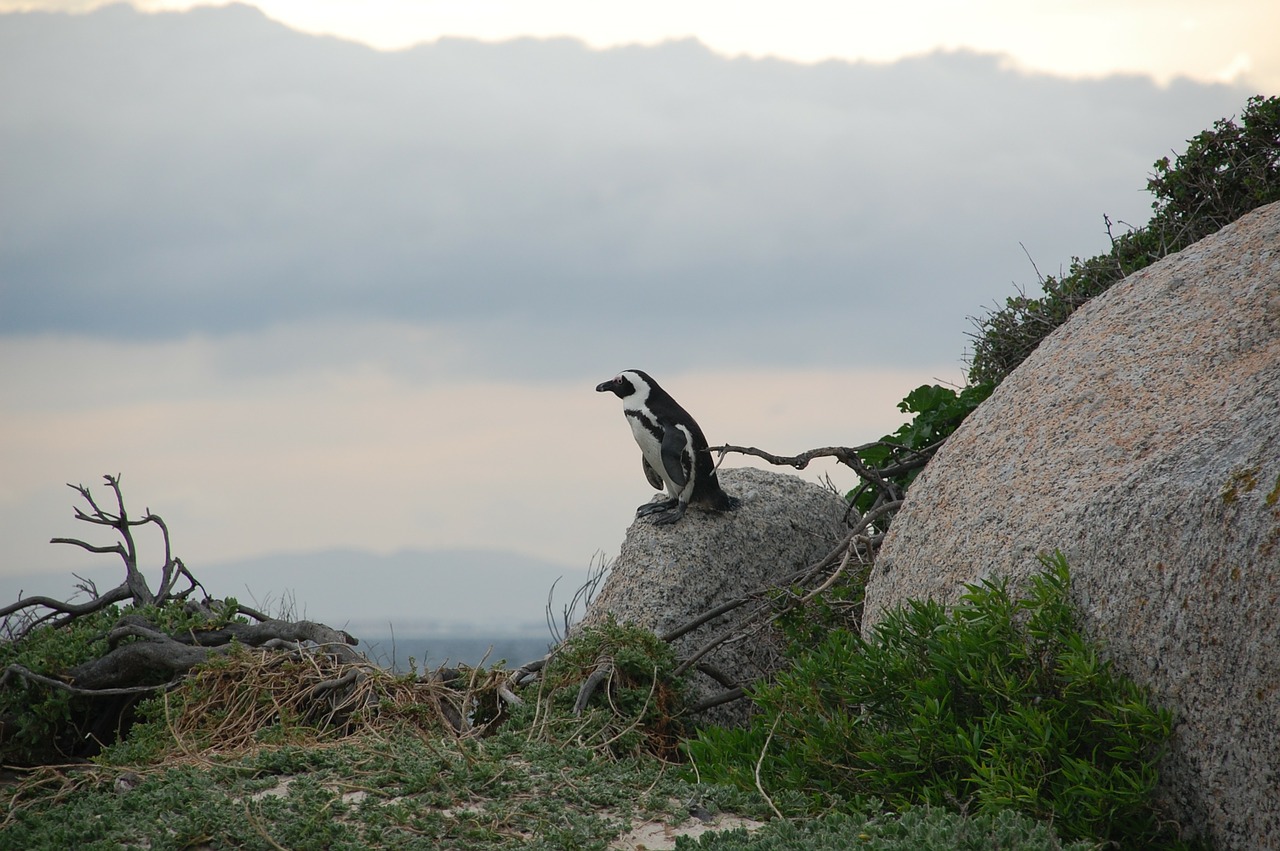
(265,697)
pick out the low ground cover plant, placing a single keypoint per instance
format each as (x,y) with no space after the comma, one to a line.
(1000,703)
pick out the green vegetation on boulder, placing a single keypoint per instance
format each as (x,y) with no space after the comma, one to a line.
(1000,703)
(1225,172)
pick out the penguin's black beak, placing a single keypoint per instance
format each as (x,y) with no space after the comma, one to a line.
(619,386)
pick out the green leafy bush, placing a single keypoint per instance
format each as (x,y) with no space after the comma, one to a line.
(1224,173)
(635,702)
(919,829)
(938,412)
(999,703)
(39,722)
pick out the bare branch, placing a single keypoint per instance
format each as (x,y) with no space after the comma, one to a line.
(718,675)
(93,548)
(130,664)
(847,455)
(760,762)
(88,586)
(603,670)
(128,552)
(115,595)
(333,641)
(241,608)
(28,674)
(842,454)
(736,693)
(348,678)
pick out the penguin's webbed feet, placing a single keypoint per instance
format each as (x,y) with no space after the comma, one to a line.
(670,516)
(654,507)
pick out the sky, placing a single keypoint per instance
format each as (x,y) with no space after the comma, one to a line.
(336,276)
(1160,38)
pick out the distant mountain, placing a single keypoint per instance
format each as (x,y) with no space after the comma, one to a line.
(473,593)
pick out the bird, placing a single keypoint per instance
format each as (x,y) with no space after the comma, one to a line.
(673,450)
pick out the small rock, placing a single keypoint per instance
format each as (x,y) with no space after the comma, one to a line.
(665,576)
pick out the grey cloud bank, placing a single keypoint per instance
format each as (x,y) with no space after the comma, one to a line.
(214,172)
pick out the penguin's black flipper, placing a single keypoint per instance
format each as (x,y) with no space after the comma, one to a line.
(653,477)
(675,442)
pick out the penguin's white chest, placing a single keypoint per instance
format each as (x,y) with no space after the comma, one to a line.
(651,447)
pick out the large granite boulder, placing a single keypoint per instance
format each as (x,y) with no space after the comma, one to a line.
(1142,439)
(665,576)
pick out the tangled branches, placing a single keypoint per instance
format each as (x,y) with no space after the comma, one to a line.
(104,658)
(882,488)
(41,610)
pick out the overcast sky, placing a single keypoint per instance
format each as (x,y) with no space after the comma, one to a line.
(1221,42)
(304,293)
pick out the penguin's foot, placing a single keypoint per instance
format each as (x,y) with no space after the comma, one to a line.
(668,517)
(655,507)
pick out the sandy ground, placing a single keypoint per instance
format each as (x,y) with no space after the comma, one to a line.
(656,836)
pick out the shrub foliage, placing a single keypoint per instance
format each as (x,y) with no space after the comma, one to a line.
(938,411)
(920,829)
(1225,172)
(37,722)
(999,703)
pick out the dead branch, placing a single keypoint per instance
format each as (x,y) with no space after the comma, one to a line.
(718,675)
(909,459)
(138,663)
(27,674)
(528,672)
(331,640)
(326,686)
(603,670)
(133,588)
(143,656)
(115,595)
(736,693)
(140,652)
(581,598)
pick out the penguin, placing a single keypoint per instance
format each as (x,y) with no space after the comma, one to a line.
(673,451)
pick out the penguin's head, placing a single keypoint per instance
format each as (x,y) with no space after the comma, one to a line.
(626,383)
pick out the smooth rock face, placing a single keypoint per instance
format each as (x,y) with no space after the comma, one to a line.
(666,576)
(1142,439)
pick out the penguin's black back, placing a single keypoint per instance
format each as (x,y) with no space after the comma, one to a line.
(706,485)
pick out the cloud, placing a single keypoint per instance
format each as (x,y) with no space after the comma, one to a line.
(214,173)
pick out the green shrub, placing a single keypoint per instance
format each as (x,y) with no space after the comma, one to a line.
(38,722)
(635,704)
(999,703)
(938,412)
(919,829)
(1224,173)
